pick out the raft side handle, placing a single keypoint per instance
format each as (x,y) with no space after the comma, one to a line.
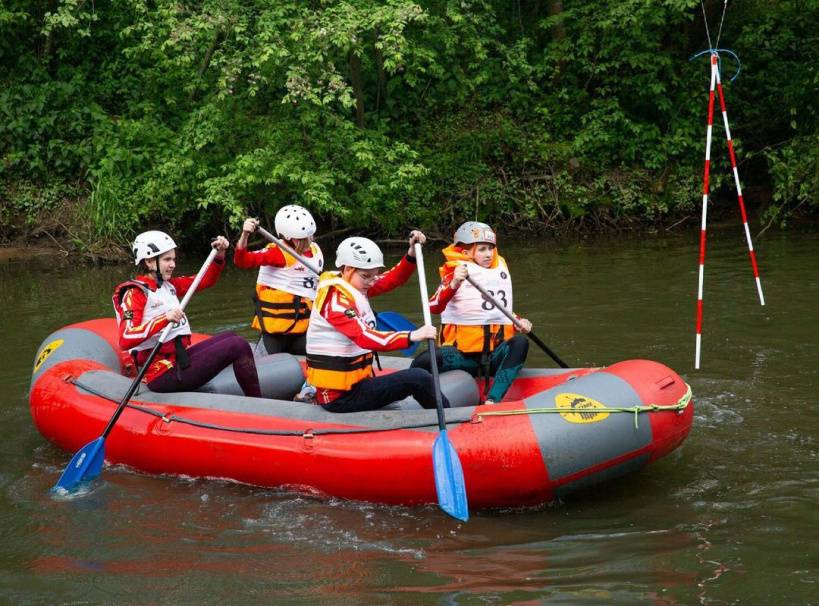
(665,382)
(309,439)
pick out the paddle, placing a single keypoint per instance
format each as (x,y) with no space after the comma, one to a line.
(283,245)
(516,322)
(87,463)
(390,320)
(449,476)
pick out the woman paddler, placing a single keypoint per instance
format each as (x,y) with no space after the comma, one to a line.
(145,305)
(285,288)
(476,336)
(342,335)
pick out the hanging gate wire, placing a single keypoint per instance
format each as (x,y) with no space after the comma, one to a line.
(716,84)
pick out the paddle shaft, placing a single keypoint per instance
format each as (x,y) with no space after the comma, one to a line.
(283,245)
(486,295)
(132,389)
(422,279)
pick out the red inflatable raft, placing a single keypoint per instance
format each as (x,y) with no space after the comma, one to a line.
(557,430)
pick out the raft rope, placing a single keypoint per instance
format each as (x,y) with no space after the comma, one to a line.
(680,406)
(716,83)
(252,430)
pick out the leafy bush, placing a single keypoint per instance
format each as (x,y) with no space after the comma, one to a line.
(382,114)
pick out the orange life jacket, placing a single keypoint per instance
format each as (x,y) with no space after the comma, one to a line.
(334,361)
(468,336)
(280,312)
(284,295)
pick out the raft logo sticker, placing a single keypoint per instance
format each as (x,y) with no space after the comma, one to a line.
(580,409)
(47,351)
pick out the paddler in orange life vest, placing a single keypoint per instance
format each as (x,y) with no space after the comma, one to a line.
(145,305)
(342,335)
(285,288)
(475,336)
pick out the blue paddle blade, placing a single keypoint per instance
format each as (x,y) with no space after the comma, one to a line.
(449,478)
(391,320)
(84,466)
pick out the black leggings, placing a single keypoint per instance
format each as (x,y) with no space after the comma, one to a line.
(278,343)
(377,392)
(207,359)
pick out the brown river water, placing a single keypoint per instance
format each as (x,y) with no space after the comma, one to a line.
(730,518)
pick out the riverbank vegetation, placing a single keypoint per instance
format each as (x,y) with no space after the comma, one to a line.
(537,114)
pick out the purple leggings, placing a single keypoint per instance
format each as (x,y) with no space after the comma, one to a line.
(207,359)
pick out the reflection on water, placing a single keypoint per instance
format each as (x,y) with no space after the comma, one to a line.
(717,522)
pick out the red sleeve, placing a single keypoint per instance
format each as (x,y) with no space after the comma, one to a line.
(341,312)
(132,331)
(183,283)
(445,292)
(393,277)
(270,255)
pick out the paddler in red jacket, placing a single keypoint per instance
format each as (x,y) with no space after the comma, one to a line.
(285,288)
(342,335)
(475,336)
(145,305)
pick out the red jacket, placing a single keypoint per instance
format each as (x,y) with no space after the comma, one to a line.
(340,311)
(270,255)
(129,304)
(335,306)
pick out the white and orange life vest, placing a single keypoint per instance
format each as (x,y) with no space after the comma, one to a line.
(333,360)
(470,323)
(284,295)
(294,277)
(159,301)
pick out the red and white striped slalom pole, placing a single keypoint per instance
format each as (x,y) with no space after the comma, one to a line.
(706,175)
(716,83)
(751,252)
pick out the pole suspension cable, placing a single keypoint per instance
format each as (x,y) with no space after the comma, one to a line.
(705,20)
(721,21)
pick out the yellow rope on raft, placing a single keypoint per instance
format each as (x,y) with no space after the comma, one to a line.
(681,405)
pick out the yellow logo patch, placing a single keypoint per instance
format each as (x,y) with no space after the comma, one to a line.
(580,409)
(47,351)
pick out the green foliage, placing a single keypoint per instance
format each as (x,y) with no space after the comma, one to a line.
(26,205)
(389,113)
(795,172)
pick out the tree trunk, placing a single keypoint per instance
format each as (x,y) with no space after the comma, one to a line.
(558,30)
(45,57)
(206,61)
(358,90)
(381,91)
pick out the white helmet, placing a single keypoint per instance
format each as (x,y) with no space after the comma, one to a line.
(294,222)
(474,231)
(361,253)
(150,244)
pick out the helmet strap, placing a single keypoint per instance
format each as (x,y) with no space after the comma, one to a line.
(156,273)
